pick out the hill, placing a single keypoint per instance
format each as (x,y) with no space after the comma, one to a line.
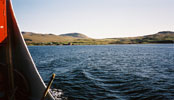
(165,32)
(75,35)
(38,38)
(160,37)
(80,39)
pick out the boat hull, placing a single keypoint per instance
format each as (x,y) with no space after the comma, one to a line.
(21,60)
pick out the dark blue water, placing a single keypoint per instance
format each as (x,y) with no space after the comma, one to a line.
(113,72)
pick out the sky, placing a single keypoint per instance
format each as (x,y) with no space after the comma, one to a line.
(95,18)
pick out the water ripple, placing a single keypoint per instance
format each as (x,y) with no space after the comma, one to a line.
(115,72)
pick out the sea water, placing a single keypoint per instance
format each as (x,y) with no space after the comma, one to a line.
(109,72)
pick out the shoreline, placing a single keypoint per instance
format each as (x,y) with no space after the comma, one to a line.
(101,44)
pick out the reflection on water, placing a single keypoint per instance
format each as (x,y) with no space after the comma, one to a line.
(113,72)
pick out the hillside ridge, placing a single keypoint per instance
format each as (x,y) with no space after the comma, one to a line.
(75,35)
(32,38)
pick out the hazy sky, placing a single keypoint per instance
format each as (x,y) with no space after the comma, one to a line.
(95,18)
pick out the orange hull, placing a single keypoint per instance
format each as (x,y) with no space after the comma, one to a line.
(3,21)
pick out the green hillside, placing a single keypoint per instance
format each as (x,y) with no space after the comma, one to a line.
(80,39)
(45,39)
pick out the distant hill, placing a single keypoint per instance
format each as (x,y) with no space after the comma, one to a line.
(81,39)
(31,37)
(75,35)
(160,37)
(165,32)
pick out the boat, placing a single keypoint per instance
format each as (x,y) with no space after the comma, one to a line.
(19,77)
